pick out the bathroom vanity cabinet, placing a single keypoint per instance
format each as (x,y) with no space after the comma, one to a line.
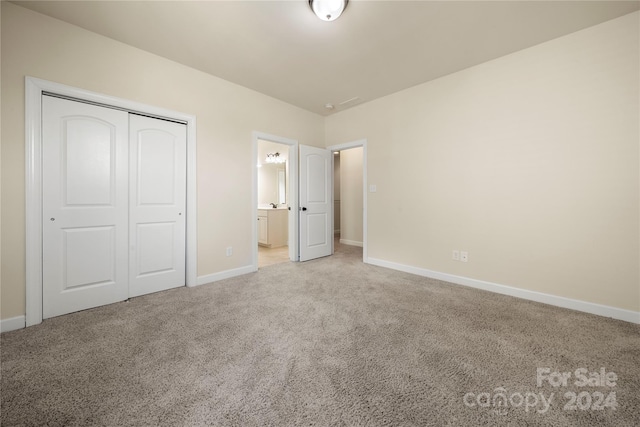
(273,227)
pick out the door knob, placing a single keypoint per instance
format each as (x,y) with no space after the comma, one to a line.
(304,209)
(52,219)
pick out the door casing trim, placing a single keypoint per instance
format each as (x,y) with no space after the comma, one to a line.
(33,180)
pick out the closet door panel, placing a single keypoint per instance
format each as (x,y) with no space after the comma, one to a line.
(85,206)
(157,203)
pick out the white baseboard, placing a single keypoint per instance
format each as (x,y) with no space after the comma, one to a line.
(13,323)
(350,242)
(209,278)
(587,307)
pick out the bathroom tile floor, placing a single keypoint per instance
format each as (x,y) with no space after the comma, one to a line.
(270,256)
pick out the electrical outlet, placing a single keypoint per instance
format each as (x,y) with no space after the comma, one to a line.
(464,256)
(229,251)
(456,255)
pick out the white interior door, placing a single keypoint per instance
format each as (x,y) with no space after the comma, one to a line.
(85,199)
(315,203)
(157,204)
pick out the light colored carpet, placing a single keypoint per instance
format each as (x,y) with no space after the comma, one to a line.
(330,342)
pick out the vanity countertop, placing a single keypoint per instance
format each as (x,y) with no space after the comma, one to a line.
(270,208)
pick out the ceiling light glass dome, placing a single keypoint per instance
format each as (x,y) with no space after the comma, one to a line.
(328,10)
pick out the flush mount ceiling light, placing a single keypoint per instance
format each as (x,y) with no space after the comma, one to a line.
(328,10)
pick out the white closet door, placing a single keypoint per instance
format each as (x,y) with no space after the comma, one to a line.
(85,198)
(157,204)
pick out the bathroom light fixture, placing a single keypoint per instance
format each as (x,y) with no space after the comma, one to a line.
(274,158)
(328,10)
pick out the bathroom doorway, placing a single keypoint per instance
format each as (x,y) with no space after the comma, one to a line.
(273,202)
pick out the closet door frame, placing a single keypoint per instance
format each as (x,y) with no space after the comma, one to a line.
(34,89)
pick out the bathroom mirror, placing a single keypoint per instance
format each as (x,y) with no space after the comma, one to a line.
(272,185)
(282,188)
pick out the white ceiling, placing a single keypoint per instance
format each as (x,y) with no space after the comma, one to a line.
(374,49)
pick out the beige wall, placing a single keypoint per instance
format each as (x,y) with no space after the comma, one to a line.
(1,224)
(529,162)
(42,47)
(351,195)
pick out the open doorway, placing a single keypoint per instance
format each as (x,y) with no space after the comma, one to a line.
(273,202)
(350,195)
(282,191)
